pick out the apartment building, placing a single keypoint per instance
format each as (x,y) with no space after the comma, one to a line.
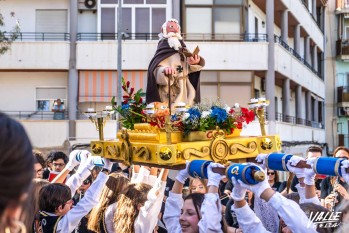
(338,70)
(253,48)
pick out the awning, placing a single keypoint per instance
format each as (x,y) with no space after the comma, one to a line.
(101,86)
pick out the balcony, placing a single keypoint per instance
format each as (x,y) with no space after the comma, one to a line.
(342,7)
(221,51)
(342,50)
(51,52)
(343,96)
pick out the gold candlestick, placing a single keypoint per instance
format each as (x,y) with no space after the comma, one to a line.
(99,121)
(258,106)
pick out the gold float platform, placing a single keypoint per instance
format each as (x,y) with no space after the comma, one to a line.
(147,145)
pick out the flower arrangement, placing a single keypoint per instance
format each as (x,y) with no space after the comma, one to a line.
(200,117)
(203,117)
(132,107)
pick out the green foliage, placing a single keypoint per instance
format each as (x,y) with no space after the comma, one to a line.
(132,106)
(6,38)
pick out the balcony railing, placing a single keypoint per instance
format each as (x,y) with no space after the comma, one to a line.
(343,94)
(41,36)
(247,37)
(296,55)
(297,121)
(44,115)
(316,22)
(342,47)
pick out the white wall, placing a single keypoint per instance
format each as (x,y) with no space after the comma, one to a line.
(36,55)
(25,11)
(18,89)
(54,133)
(288,132)
(137,55)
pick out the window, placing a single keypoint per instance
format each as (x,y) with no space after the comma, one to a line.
(46,97)
(48,22)
(221,18)
(140,18)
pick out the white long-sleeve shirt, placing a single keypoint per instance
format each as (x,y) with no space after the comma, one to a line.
(72,219)
(210,213)
(75,181)
(148,214)
(288,210)
(303,199)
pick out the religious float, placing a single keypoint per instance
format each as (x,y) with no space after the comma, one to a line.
(156,135)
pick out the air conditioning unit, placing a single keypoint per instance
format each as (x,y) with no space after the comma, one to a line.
(87,5)
(343,111)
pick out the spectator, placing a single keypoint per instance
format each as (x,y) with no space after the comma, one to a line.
(111,191)
(55,201)
(58,109)
(16,173)
(198,212)
(48,167)
(331,184)
(39,164)
(198,185)
(59,160)
(273,179)
(32,206)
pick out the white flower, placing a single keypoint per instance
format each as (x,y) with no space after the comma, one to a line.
(186,116)
(236,105)
(205,114)
(227,108)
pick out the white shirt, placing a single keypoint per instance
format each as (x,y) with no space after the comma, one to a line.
(288,210)
(72,219)
(148,214)
(210,213)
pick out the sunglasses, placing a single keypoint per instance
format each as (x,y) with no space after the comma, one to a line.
(86,182)
(271,173)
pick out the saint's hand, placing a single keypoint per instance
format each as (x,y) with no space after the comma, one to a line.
(194,60)
(169,71)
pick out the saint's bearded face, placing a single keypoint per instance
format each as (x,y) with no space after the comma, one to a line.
(173,34)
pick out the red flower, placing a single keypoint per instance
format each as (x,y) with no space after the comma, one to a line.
(131,91)
(128,84)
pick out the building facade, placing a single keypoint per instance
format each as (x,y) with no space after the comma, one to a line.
(253,48)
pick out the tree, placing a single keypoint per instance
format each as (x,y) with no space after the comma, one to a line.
(6,38)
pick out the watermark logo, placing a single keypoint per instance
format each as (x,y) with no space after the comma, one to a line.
(324,219)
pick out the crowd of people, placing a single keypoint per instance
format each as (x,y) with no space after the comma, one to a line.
(60,193)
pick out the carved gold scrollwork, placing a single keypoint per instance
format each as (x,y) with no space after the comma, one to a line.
(219,150)
(218,133)
(113,151)
(126,150)
(205,151)
(141,152)
(251,147)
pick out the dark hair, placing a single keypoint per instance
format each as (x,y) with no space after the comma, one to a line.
(340,148)
(198,199)
(276,175)
(16,162)
(52,196)
(314,149)
(293,196)
(38,158)
(59,155)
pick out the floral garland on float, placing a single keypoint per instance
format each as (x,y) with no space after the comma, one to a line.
(196,122)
